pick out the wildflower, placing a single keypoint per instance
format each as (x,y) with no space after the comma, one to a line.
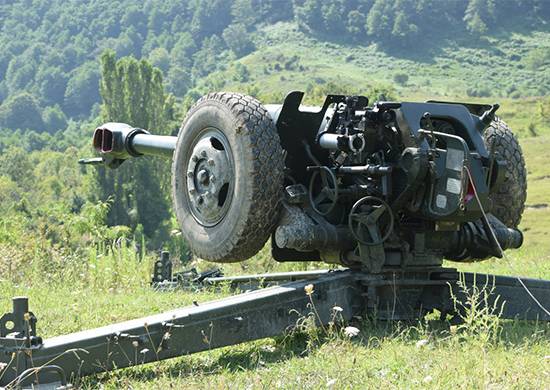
(428,379)
(421,343)
(3,366)
(135,344)
(383,372)
(27,317)
(268,348)
(337,309)
(331,382)
(309,289)
(453,329)
(351,331)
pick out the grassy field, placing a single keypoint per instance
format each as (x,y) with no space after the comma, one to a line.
(487,353)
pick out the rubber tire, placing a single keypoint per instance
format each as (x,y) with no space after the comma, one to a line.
(258,183)
(508,199)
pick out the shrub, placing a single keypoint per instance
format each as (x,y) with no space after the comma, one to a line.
(401,78)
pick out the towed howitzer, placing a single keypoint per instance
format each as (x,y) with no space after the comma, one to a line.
(387,190)
(388,185)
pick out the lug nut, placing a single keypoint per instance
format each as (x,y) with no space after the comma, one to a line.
(203,153)
(194,158)
(190,174)
(211,162)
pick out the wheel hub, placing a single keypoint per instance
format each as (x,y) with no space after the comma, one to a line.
(210,178)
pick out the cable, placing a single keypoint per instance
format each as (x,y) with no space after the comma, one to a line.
(500,248)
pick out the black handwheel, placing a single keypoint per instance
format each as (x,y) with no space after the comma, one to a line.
(373,216)
(509,197)
(325,201)
(227,177)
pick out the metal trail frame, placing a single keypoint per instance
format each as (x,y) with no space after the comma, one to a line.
(265,312)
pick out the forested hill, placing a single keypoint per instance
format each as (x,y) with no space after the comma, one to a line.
(49,49)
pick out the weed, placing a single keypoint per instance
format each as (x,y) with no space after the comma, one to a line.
(479,313)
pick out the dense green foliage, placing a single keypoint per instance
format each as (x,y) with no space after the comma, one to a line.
(50,49)
(132,92)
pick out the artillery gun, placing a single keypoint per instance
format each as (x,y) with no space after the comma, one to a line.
(383,186)
(386,191)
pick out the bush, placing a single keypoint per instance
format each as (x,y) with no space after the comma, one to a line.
(401,78)
(537,58)
(479,91)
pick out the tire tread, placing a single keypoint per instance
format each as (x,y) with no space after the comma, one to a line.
(509,198)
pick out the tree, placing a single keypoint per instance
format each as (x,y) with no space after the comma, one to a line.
(16,164)
(355,25)
(333,12)
(132,92)
(378,19)
(209,58)
(238,39)
(82,90)
(183,50)
(134,17)
(243,12)
(308,15)
(242,74)
(20,74)
(210,17)
(402,28)
(160,58)
(21,112)
(52,82)
(54,119)
(478,14)
(179,80)
(5,58)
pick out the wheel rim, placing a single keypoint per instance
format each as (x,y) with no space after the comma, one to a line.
(210,177)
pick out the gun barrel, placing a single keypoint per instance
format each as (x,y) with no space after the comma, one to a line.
(157,145)
(121,141)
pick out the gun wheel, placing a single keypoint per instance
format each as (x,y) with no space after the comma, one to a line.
(509,197)
(227,176)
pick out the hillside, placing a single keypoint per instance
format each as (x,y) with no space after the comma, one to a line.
(49,62)
(496,70)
